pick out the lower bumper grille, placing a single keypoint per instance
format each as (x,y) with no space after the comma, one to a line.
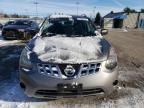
(46,93)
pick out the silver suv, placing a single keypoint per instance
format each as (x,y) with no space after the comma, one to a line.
(68,58)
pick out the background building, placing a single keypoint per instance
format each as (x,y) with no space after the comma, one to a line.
(122,19)
(141,21)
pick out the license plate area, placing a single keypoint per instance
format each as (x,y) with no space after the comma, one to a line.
(10,33)
(69,87)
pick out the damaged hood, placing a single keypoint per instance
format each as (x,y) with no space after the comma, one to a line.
(60,49)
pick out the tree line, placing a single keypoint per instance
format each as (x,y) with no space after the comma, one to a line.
(14,16)
(128,10)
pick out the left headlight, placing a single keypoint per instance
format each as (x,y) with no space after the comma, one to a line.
(111,62)
(25,59)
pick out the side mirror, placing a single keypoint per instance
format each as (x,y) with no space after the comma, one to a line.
(104,31)
(98,27)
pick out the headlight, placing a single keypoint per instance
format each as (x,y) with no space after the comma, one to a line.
(111,62)
(25,59)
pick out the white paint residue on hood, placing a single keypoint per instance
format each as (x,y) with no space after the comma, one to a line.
(68,49)
(39,46)
(60,16)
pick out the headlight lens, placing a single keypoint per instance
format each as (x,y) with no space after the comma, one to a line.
(25,59)
(111,63)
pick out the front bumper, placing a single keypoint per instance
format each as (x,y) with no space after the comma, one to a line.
(13,34)
(41,86)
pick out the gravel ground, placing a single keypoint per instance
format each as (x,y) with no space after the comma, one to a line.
(130,94)
(129,46)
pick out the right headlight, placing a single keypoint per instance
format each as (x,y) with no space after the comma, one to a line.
(25,59)
(111,62)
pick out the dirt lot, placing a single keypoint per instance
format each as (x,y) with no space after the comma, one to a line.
(130,48)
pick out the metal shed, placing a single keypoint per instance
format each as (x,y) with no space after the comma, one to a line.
(114,20)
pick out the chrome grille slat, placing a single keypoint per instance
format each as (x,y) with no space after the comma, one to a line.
(50,70)
(87,69)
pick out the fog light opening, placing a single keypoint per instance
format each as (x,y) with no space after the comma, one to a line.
(115,82)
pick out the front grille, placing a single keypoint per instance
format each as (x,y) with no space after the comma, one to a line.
(87,69)
(50,70)
(13,33)
(47,93)
(57,70)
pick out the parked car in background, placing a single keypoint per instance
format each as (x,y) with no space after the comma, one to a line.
(8,23)
(20,29)
(68,58)
(1,26)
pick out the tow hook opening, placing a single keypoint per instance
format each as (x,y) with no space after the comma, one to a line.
(22,85)
(115,82)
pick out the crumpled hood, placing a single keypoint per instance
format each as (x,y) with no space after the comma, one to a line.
(60,49)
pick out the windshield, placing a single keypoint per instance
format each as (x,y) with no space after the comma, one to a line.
(19,22)
(68,27)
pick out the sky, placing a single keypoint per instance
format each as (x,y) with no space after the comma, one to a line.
(88,7)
